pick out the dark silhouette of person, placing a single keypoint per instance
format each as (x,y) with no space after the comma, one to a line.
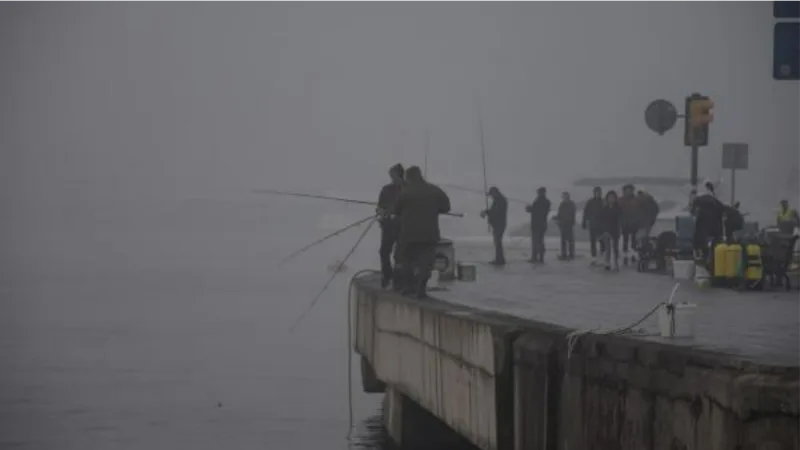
(497,216)
(418,207)
(538,210)
(591,216)
(389,223)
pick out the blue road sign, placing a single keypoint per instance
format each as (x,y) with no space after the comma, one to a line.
(786,10)
(786,51)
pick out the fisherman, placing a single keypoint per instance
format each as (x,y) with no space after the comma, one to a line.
(648,212)
(733,221)
(538,210)
(610,218)
(566,225)
(418,207)
(787,219)
(390,226)
(708,212)
(630,222)
(591,215)
(497,216)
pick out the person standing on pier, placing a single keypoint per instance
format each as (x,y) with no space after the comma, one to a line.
(390,226)
(418,206)
(497,216)
(591,216)
(538,210)
(648,212)
(787,219)
(566,226)
(611,226)
(629,221)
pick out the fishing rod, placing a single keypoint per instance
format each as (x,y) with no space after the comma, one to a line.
(324,197)
(335,272)
(427,150)
(320,197)
(325,238)
(483,158)
(477,191)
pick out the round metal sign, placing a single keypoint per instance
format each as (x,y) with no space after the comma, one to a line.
(660,116)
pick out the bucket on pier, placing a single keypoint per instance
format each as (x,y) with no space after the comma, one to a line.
(683,269)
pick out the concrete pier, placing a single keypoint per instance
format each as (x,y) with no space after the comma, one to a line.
(511,381)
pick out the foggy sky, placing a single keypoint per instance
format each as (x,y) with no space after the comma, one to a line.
(116,102)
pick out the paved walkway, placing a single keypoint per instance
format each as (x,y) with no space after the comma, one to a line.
(760,327)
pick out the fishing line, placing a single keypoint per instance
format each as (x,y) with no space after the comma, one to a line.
(335,272)
(325,197)
(325,238)
(320,197)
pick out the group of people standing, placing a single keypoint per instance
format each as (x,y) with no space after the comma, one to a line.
(607,218)
(408,212)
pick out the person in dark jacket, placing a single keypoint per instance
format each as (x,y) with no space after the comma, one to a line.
(611,226)
(629,221)
(708,212)
(566,226)
(648,212)
(418,206)
(538,210)
(497,216)
(390,227)
(733,222)
(591,216)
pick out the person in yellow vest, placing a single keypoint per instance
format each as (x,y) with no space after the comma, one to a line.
(788,219)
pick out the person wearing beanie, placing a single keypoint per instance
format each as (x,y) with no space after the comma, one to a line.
(497,216)
(629,222)
(539,210)
(390,227)
(591,217)
(418,206)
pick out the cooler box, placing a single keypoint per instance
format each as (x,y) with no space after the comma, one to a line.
(445,262)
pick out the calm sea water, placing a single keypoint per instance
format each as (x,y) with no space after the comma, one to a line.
(166,326)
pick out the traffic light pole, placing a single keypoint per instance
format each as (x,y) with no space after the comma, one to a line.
(693,175)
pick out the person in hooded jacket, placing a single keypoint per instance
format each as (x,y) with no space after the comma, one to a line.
(648,212)
(497,216)
(418,206)
(610,218)
(538,210)
(591,216)
(389,223)
(708,212)
(733,221)
(566,226)
(630,221)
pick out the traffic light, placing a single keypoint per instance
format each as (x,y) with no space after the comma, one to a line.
(698,117)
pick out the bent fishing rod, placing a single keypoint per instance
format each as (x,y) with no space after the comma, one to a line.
(325,238)
(325,197)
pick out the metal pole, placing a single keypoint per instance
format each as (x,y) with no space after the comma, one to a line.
(733,187)
(693,176)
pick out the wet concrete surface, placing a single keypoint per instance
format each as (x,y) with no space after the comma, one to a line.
(757,327)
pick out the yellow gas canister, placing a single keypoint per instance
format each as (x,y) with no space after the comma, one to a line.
(733,258)
(755,266)
(720,255)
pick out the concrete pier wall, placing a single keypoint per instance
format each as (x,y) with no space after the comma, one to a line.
(505,383)
(452,362)
(619,393)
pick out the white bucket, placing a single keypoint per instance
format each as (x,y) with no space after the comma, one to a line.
(677,321)
(683,269)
